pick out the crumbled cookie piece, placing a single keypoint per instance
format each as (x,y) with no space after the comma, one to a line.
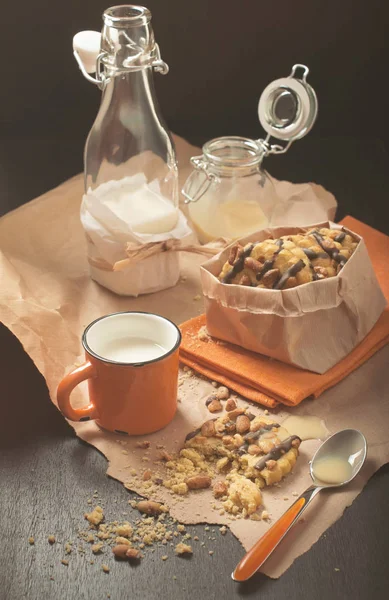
(31,540)
(203,334)
(223,530)
(51,539)
(96,548)
(105,568)
(243,496)
(65,562)
(182,548)
(143,444)
(96,516)
(164,557)
(125,529)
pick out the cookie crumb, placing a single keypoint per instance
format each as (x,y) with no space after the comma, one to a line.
(51,539)
(203,334)
(197,297)
(210,552)
(223,530)
(266,412)
(96,548)
(164,557)
(96,516)
(265,515)
(68,548)
(31,540)
(336,569)
(65,562)
(183,549)
(105,568)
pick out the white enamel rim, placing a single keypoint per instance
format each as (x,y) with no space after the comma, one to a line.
(173,348)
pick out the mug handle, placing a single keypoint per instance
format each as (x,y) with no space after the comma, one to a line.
(65,388)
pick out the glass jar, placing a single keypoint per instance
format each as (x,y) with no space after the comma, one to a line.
(228,193)
(131,176)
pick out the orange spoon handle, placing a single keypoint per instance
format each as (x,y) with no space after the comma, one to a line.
(255,557)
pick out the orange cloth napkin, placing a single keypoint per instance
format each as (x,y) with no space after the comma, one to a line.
(268,381)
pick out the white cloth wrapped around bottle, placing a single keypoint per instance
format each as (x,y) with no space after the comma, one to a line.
(131,210)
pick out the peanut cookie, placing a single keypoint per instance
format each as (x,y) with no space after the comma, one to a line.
(289,261)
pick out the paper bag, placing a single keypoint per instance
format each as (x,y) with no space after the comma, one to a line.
(312,326)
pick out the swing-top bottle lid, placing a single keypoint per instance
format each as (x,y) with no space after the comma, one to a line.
(288,107)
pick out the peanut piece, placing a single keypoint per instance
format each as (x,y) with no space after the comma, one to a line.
(234,414)
(230,404)
(321,271)
(270,278)
(253,449)
(208,429)
(163,455)
(132,553)
(296,442)
(219,489)
(215,406)
(198,482)
(242,424)
(120,551)
(230,427)
(235,254)
(149,507)
(254,265)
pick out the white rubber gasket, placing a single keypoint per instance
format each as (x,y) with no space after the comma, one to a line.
(303,122)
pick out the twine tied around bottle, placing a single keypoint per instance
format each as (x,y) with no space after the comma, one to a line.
(137,252)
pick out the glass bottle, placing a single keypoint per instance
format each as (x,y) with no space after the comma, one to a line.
(129,161)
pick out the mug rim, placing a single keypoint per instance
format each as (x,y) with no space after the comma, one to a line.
(127,364)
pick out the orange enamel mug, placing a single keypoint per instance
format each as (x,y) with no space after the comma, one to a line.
(132,372)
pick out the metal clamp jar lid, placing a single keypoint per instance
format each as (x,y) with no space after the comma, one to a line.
(287,111)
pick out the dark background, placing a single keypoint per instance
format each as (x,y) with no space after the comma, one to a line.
(221,56)
(222,53)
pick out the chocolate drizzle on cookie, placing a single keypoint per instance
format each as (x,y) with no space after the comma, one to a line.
(340,237)
(192,434)
(291,272)
(312,255)
(277,452)
(239,265)
(254,435)
(268,264)
(331,252)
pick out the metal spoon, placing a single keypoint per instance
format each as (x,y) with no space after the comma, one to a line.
(337,461)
